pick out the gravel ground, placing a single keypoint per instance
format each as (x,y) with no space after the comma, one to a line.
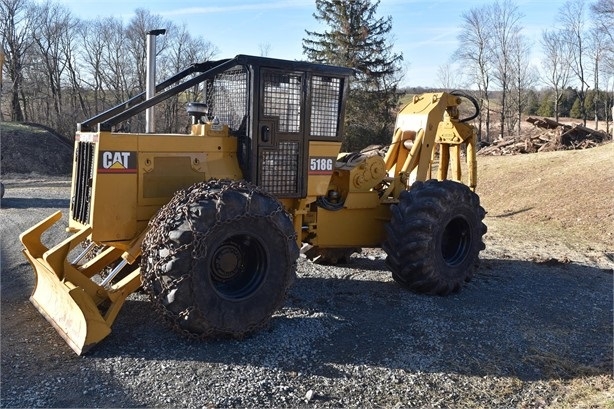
(534,328)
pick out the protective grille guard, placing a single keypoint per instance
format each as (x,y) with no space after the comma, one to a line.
(105,120)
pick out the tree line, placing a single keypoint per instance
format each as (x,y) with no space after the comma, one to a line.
(59,69)
(576,55)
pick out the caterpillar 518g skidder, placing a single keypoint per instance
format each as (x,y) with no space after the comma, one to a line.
(211,222)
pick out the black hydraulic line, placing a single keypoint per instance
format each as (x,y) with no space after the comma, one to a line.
(323,202)
(473,101)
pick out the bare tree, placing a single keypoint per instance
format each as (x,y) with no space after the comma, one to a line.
(265,49)
(182,50)
(555,65)
(16,26)
(574,35)
(445,75)
(523,79)
(474,49)
(136,31)
(603,19)
(598,47)
(92,61)
(123,74)
(70,47)
(52,38)
(118,72)
(505,22)
(603,13)
(136,36)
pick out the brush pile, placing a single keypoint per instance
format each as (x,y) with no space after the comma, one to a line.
(548,135)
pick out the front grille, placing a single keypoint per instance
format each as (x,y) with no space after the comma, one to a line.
(279,169)
(80,203)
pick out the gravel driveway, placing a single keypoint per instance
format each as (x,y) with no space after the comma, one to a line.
(532,329)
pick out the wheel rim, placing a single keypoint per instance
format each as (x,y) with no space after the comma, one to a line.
(238,267)
(456,241)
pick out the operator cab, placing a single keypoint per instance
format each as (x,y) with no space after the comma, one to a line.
(275,108)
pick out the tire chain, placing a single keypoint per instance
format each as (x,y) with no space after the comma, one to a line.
(159,228)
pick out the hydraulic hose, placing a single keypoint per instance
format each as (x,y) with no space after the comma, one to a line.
(473,101)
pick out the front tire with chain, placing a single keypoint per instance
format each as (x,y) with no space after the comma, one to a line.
(434,237)
(219,258)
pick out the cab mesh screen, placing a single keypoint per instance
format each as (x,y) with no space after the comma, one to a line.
(325,103)
(226,97)
(279,169)
(282,99)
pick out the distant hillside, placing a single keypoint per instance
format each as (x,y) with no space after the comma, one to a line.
(27,148)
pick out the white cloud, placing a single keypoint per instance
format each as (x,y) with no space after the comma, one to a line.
(241,7)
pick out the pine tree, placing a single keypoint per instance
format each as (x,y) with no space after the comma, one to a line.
(357,38)
(546,107)
(576,110)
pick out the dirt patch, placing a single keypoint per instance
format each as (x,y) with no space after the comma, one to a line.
(564,193)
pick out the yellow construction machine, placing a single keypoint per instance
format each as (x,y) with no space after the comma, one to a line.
(211,222)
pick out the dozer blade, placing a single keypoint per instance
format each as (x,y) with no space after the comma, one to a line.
(71,312)
(68,298)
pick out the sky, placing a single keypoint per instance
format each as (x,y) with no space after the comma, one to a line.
(423,31)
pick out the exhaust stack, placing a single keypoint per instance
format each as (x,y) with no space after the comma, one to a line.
(150,79)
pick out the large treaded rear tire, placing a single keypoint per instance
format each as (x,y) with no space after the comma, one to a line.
(219,258)
(434,237)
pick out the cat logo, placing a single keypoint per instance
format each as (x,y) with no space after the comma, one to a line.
(117,162)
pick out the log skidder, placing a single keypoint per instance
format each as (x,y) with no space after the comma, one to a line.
(218,259)
(209,222)
(434,237)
